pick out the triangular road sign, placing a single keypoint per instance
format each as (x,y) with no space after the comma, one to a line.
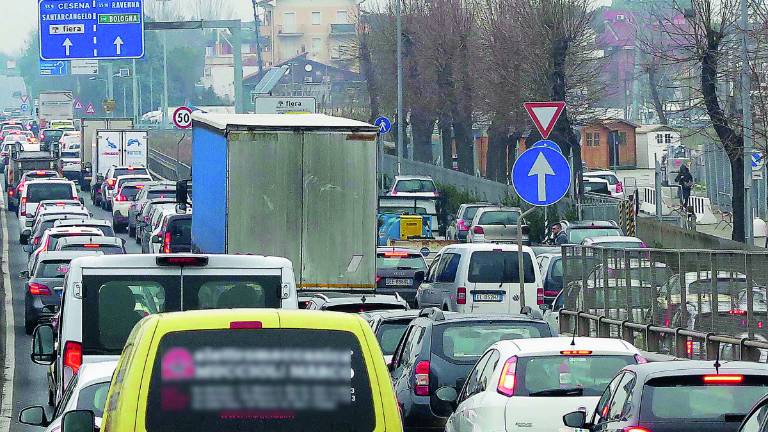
(544,115)
(78,105)
(90,109)
(24,99)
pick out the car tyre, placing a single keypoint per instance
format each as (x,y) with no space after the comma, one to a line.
(29,326)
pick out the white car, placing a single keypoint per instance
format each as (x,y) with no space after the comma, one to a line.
(496,225)
(70,157)
(127,188)
(614,184)
(40,190)
(619,242)
(481,278)
(529,384)
(87,391)
(414,186)
(110,180)
(105,296)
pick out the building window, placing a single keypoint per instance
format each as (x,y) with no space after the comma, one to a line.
(593,139)
(335,53)
(668,138)
(315,18)
(659,139)
(622,137)
(289,22)
(317,45)
(341,17)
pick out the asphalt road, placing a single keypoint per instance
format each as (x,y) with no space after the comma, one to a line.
(30,385)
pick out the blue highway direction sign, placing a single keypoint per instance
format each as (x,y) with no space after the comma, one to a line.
(54,68)
(541,176)
(91,29)
(384,124)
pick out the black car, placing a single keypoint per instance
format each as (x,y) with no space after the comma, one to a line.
(176,234)
(399,271)
(355,303)
(440,349)
(677,396)
(756,419)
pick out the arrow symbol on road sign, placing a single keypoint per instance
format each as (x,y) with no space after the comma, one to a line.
(118,44)
(542,169)
(67,45)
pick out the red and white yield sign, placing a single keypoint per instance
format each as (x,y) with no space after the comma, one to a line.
(182,117)
(544,115)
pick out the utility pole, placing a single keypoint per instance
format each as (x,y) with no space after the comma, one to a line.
(400,119)
(135,94)
(746,111)
(256,25)
(110,87)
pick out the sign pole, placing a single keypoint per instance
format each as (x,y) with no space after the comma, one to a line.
(520,256)
(135,94)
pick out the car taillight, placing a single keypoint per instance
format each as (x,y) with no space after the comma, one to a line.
(478,230)
(378,279)
(245,325)
(120,197)
(576,352)
(635,429)
(737,312)
(111,183)
(92,245)
(461,225)
(723,379)
(689,347)
(167,242)
(73,355)
(37,289)
(539,296)
(507,379)
(23,206)
(461,295)
(11,192)
(422,379)
(619,187)
(640,359)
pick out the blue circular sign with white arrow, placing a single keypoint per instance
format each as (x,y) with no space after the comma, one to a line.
(541,176)
(758,160)
(384,124)
(547,143)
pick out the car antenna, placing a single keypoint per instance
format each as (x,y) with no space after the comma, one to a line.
(717,361)
(573,337)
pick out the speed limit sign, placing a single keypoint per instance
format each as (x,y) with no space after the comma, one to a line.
(182,118)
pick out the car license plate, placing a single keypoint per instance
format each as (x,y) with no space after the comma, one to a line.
(399,282)
(487,297)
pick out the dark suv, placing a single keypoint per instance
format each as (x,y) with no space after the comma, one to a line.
(439,349)
(176,234)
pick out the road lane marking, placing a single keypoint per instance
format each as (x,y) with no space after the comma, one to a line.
(6,410)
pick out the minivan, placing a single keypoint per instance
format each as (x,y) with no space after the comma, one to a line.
(233,371)
(105,296)
(481,278)
(40,190)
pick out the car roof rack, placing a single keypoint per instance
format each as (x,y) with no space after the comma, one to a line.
(433,313)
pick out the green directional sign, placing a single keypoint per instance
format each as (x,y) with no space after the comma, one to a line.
(119,18)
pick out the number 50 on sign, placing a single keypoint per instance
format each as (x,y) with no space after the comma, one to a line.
(182,118)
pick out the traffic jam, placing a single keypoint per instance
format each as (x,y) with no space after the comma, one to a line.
(211,321)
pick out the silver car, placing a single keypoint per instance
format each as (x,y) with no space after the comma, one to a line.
(496,225)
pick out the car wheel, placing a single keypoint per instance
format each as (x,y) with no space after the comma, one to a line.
(29,326)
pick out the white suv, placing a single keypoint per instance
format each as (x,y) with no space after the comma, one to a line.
(105,296)
(615,186)
(481,278)
(110,181)
(414,186)
(534,382)
(40,190)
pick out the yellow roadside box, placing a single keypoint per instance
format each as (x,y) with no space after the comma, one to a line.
(410,226)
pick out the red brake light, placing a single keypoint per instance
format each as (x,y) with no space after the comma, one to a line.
(634,429)
(167,242)
(422,378)
(506,384)
(689,347)
(40,172)
(245,325)
(461,225)
(91,245)
(378,278)
(182,260)
(10,192)
(619,187)
(23,206)
(539,296)
(723,379)
(478,230)
(111,183)
(461,295)
(73,355)
(396,254)
(576,352)
(37,289)
(120,197)
(737,312)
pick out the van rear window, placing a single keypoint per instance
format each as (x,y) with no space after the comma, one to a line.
(499,267)
(250,380)
(113,304)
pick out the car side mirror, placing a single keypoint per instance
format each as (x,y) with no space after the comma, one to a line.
(575,419)
(33,416)
(78,421)
(24,274)
(43,349)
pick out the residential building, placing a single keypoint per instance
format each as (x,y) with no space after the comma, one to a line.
(653,141)
(609,143)
(323,29)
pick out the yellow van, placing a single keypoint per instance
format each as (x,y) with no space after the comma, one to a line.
(248,370)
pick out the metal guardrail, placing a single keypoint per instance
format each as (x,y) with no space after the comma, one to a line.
(167,167)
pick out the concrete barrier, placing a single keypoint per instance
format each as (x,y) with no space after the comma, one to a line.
(702,208)
(648,198)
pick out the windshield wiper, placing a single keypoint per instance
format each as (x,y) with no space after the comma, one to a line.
(575,391)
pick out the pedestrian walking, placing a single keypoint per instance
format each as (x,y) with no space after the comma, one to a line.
(685,180)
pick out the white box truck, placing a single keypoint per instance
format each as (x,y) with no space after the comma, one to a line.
(88,128)
(55,105)
(117,147)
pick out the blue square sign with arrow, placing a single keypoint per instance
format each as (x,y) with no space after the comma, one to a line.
(91,29)
(541,175)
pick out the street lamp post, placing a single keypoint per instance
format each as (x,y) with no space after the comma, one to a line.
(398,12)
(746,111)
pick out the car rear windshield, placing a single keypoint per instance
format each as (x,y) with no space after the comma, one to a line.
(52,269)
(70,154)
(129,171)
(389,334)
(161,193)
(400,262)
(181,230)
(555,375)
(114,303)
(610,178)
(576,235)
(470,213)
(499,218)
(364,307)
(53,134)
(48,191)
(465,342)
(54,238)
(499,267)
(250,380)
(93,398)
(130,192)
(106,249)
(415,185)
(692,399)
